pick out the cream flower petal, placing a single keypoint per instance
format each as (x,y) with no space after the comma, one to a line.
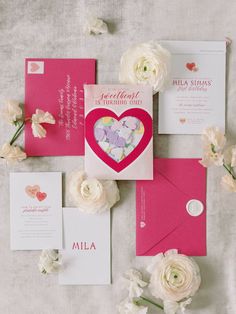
(91,195)
(95,26)
(228,183)
(148,64)
(12,153)
(12,111)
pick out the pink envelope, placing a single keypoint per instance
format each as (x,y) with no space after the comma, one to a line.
(56,85)
(171,209)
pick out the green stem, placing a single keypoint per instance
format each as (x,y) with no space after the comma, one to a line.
(230,170)
(151,302)
(17,133)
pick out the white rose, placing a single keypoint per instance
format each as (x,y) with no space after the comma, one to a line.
(92,195)
(174,276)
(135,282)
(128,307)
(95,26)
(49,261)
(228,183)
(12,153)
(12,111)
(41,117)
(147,63)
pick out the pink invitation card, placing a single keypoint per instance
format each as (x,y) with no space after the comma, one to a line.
(56,86)
(171,209)
(118,131)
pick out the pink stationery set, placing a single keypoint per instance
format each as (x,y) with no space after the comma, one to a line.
(56,85)
(171,209)
(112,125)
(118,131)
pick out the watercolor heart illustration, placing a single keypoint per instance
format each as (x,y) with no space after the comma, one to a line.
(31,191)
(41,196)
(191,66)
(34,67)
(118,140)
(182,120)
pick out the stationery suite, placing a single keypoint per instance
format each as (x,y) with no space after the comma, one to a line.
(196,96)
(171,209)
(36,210)
(118,131)
(86,255)
(118,144)
(56,85)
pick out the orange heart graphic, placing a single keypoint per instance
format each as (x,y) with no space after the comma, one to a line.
(34,67)
(182,120)
(41,196)
(31,191)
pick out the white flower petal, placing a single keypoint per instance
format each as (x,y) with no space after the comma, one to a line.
(38,130)
(148,64)
(12,111)
(91,195)
(95,26)
(175,277)
(128,307)
(229,183)
(12,153)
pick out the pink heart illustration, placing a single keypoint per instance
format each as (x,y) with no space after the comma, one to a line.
(31,191)
(95,115)
(41,196)
(34,67)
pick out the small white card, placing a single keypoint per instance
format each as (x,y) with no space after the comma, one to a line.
(196,97)
(36,210)
(86,255)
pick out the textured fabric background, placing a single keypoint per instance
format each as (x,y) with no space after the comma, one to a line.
(53,28)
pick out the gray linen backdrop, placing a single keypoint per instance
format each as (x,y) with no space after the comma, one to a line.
(53,28)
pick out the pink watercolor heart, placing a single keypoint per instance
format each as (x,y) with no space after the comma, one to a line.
(34,67)
(41,196)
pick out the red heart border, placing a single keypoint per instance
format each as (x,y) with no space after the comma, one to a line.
(96,114)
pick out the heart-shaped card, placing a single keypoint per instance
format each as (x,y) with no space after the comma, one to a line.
(117,139)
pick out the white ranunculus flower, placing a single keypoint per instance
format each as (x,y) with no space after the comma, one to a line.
(174,277)
(146,63)
(12,111)
(230,156)
(135,283)
(92,195)
(228,183)
(95,26)
(41,117)
(128,307)
(12,153)
(49,261)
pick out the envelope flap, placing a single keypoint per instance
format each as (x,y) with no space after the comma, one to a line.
(161,204)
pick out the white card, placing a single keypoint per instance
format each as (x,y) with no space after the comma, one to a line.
(36,210)
(196,98)
(86,255)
